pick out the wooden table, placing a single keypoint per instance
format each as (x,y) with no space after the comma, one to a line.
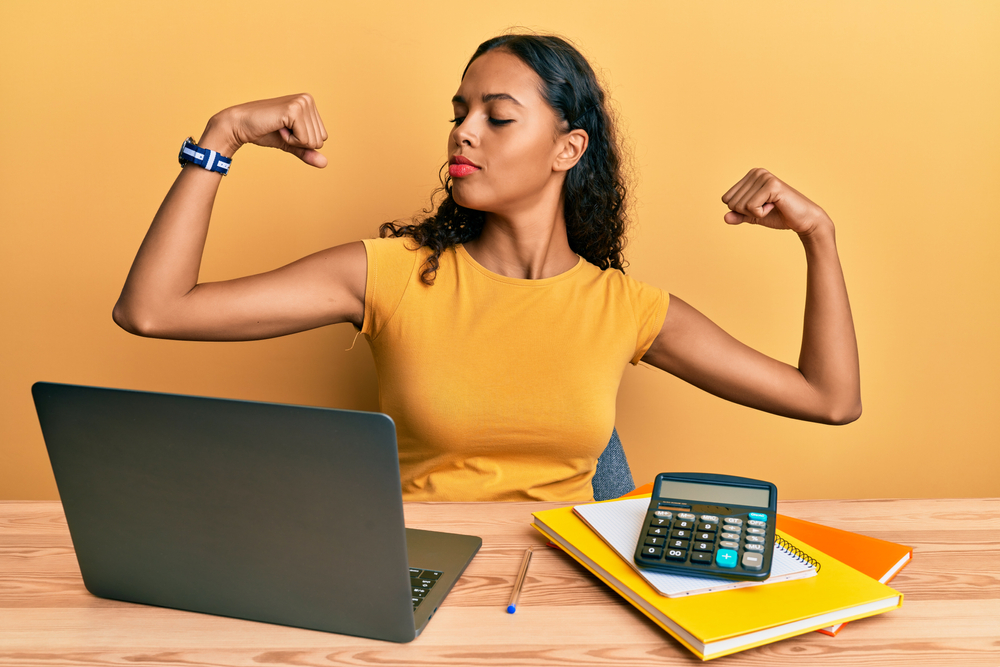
(950,615)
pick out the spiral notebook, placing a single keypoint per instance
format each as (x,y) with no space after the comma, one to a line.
(619,524)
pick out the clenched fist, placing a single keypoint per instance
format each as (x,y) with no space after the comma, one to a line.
(761,198)
(291,123)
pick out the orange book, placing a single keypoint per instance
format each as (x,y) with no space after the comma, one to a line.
(879,559)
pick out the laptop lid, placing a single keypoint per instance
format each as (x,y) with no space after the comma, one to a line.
(268,512)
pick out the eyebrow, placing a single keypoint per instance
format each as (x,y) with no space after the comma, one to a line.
(488,97)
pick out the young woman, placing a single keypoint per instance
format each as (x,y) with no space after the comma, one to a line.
(500,324)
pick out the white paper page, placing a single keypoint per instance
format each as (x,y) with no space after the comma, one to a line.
(620,523)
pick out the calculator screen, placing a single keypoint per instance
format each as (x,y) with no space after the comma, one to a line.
(712,493)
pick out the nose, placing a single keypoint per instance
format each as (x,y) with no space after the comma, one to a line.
(464,134)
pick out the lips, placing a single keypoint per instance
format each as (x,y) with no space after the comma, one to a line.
(460,166)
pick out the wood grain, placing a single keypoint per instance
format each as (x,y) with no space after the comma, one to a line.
(950,616)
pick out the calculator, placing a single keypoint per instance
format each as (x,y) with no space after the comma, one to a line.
(709,525)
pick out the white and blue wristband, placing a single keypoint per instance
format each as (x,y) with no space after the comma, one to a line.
(203,157)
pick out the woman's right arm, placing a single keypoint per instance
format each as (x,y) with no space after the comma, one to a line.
(162,297)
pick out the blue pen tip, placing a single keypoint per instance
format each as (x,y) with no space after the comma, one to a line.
(510,609)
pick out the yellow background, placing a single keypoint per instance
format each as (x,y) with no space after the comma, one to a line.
(886,114)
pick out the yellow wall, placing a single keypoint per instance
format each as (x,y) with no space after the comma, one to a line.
(887,114)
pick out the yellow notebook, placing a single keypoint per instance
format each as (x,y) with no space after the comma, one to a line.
(718,624)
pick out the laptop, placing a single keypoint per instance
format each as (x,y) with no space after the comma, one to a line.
(276,513)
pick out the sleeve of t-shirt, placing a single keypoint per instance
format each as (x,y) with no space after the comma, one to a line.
(649,307)
(391,263)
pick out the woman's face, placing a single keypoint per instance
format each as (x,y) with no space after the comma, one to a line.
(504,127)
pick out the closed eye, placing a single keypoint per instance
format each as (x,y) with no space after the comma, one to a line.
(495,121)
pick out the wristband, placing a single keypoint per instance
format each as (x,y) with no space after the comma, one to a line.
(203,157)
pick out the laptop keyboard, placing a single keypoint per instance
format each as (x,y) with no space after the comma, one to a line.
(422,581)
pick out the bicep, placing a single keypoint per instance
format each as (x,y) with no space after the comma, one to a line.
(326,287)
(696,350)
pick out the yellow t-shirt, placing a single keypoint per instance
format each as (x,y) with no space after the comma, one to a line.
(501,388)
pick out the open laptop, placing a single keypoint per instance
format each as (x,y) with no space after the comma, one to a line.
(277,513)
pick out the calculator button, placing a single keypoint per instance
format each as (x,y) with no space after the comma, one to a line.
(705,536)
(708,527)
(726,544)
(733,520)
(681,534)
(659,521)
(755,538)
(657,531)
(730,536)
(687,516)
(757,516)
(676,554)
(704,546)
(752,561)
(754,547)
(702,557)
(655,541)
(652,552)
(756,531)
(725,558)
(678,544)
(688,525)
(758,524)
(665,515)
(709,518)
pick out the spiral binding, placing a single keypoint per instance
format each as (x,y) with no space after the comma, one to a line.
(795,552)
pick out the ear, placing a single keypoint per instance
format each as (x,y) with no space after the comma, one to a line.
(572,146)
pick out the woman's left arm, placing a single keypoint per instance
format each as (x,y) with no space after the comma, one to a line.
(826,386)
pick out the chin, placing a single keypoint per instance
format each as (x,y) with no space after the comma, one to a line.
(465,201)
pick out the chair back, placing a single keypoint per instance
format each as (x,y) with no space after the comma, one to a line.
(613,477)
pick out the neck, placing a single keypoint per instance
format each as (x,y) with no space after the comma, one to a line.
(531,245)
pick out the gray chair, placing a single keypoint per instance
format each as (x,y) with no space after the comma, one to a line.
(613,477)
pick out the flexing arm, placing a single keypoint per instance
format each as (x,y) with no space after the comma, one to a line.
(162,297)
(826,387)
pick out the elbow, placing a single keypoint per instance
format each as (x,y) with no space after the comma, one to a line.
(120,315)
(127,320)
(843,414)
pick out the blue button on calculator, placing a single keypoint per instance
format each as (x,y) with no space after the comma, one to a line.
(726,558)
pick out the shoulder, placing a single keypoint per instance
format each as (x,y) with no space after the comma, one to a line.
(624,286)
(398,246)
(393,267)
(647,304)
(393,256)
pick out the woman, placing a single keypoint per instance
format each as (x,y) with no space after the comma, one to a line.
(501,324)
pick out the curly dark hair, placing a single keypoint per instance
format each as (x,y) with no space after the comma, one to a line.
(594,192)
